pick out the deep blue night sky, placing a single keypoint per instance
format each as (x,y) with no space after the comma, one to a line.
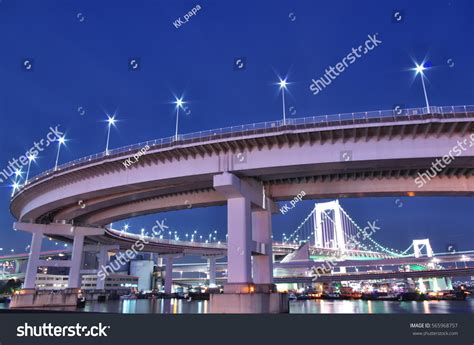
(80,52)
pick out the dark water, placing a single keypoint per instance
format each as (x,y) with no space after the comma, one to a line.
(380,307)
(175,306)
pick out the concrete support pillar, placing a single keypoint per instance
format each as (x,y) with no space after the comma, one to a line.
(158,282)
(239,227)
(262,234)
(33,259)
(76,260)
(159,261)
(243,195)
(103,258)
(168,274)
(211,261)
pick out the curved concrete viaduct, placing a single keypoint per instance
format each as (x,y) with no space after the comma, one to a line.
(248,169)
(373,158)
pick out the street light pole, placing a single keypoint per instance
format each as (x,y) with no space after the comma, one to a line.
(61,141)
(177,122)
(283,84)
(179,104)
(111,122)
(283,104)
(31,158)
(424,91)
(419,69)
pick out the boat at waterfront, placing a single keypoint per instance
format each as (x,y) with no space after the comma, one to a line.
(449,295)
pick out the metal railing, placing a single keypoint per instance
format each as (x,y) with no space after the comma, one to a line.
(266,127)
(156,240)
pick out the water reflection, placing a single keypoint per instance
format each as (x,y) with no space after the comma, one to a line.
(380,307)
(180,306)
(152,306)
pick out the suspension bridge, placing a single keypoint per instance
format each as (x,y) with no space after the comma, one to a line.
(331,231)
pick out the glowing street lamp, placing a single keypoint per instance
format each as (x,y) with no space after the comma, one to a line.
(419,70)
(111,122)
(31,158)
(179,104)
(283,83)
(18,173)
(16,185)
(60,141)
(125,228)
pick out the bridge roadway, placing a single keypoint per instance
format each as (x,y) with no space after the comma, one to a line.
(211,248)
(24,256)
(282,267)
(357,276)
(438,258)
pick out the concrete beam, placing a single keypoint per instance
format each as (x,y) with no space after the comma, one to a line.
(54,263)
(231,186)
(58,229)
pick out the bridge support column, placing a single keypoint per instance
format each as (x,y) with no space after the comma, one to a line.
(76,261)
(262,234)
(239,244)
(158,281)
(241,295)
(103,258)
(28,297)
(33,260)
(102,261)
(211,261)
(168,274)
